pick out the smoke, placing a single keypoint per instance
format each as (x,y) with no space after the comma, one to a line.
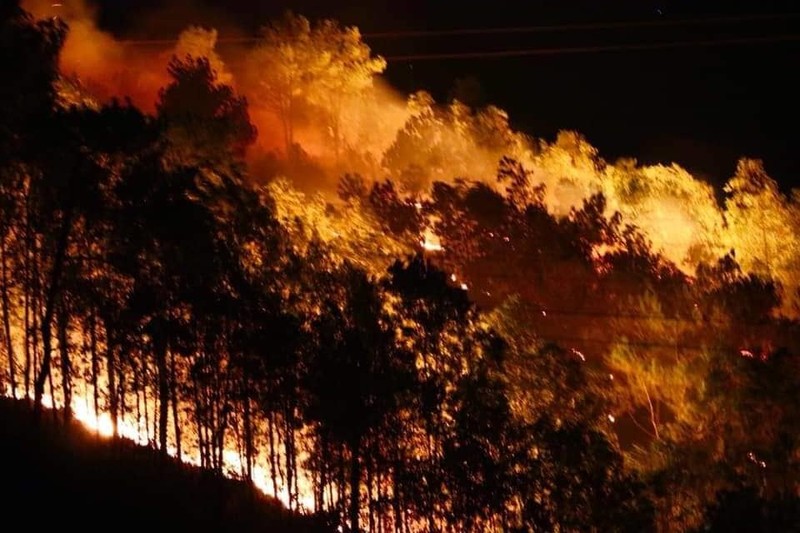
(374,131)
(105,67)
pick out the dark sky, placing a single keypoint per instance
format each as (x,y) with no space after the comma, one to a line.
(702,106)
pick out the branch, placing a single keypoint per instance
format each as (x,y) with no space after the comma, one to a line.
(652,411)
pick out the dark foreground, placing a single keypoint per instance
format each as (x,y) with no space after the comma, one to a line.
(68,477)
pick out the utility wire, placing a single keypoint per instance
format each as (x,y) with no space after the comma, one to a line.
(554,51)
(573,27)
(402,34)
(526,52)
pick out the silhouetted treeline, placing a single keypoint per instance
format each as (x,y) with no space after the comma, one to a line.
(538,373)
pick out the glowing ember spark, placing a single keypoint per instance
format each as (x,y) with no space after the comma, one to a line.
(754,459)
(611,418)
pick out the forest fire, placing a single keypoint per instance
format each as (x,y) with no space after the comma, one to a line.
(402,313)
(138,431)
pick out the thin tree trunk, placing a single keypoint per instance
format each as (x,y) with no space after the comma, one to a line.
(200,438)
(112,382)
(28,289)
(653,420)
(295,475)
(221,422)
(273,464)
(52,395)
(35,308)
(290,466)
(248,432)
(370,498)
(66,375)
(175,413)
(341,502)
(53,292)
(27,333)
(95,364)
(163,390)
(145,402)
(137,389)
(12,365)
(122,386)
(355,483)
(398,511)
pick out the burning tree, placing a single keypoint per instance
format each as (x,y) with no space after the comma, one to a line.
(302,67)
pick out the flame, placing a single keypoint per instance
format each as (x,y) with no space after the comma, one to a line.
(101,423)
(430,241)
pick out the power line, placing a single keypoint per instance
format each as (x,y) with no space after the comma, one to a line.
(573,27)
(399,34)
(530,52)
(527,52)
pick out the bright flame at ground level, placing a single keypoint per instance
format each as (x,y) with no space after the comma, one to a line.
(233,466)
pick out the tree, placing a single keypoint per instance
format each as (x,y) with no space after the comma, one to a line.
(207,123)
(577,482)
(762,224)
(348,71)
(198,42)
(298,64)
(358,377)
(29,51)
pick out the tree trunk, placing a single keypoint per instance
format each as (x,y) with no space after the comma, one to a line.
(34,333)
(27,290)
(122,385)
(201,442)
(145,402)
(53,292)
(370,499)
(248,432)
(163,390)
(66,378)
(112,382)
(27,333)
(289,450)
(273,463)
(44,370)
(12,365)
(175,413)
(95,364)
(137,389)
(355,483)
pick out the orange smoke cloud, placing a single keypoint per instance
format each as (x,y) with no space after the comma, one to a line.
(105,67)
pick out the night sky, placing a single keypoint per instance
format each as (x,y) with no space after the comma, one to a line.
(702,106)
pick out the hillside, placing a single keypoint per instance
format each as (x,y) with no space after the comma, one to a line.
(70,477)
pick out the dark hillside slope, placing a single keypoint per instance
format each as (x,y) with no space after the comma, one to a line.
(68,477)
